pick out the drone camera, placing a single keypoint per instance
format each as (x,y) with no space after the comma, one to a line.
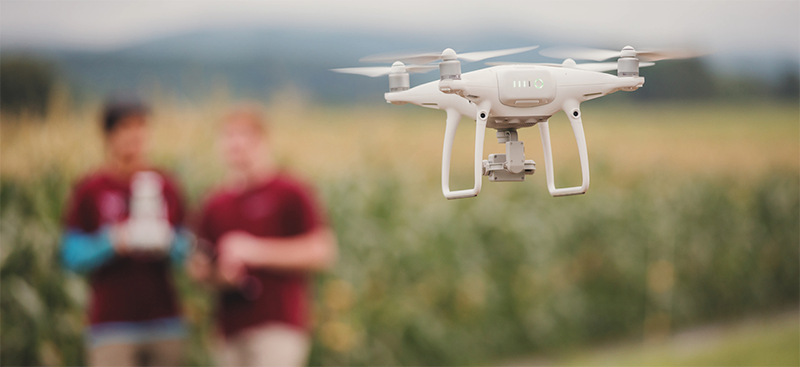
(576,113)
(511,166)
(494,168)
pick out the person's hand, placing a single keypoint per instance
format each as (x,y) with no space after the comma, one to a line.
(120,238)
(231,273)
(235,248)
(238,246)
(199,267)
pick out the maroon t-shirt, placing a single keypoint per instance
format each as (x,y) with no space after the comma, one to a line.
(127,288)
(281,207)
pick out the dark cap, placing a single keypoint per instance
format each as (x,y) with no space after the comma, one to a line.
(120,105)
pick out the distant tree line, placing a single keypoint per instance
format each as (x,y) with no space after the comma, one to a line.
(25,84)
(789,86)
(692,79)
(677,80)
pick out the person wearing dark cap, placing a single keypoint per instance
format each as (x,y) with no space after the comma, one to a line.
(123,231)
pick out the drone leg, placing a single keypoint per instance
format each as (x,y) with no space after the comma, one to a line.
(453,118)
(571,108)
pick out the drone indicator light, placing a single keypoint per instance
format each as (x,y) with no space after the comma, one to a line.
(525,87)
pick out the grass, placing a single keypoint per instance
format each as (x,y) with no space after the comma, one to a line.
(765,340)
(693,217)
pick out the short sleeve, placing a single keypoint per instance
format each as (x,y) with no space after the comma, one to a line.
(203,228)
(175,203)
(303,213)
(202,225)
(82,213)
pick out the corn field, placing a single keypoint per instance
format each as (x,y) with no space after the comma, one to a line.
(693,216)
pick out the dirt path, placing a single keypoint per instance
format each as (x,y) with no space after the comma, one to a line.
(766,340)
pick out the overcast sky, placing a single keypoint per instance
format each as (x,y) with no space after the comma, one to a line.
(742,27)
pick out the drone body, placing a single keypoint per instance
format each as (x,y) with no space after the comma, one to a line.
(507,97)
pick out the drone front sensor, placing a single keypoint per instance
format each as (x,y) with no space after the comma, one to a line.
(510,96)
(525,88)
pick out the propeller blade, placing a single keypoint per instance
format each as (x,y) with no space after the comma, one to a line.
(607,66)
(421,68)
(585,53)
(580,53)
(420,58)
(482,55)
(424,58)
(501,63)
(657,55)
(375,71)
(599,66)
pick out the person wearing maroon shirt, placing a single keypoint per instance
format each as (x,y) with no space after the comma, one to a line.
(133,311)
(265,235)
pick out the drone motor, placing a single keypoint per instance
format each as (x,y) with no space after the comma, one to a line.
(628,63)
(398,78)
(450,67)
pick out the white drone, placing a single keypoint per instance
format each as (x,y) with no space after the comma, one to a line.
(509,96)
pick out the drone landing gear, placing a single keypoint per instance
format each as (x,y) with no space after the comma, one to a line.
(511,166)
(453,118)
(573,112)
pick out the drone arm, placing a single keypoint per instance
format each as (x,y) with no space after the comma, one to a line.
(453,118)
(571,108)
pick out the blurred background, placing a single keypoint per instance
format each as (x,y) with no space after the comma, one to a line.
(685,250)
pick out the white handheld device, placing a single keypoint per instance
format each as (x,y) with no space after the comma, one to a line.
(148,226)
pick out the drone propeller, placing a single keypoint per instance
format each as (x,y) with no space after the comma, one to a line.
(501,63)
(424,58)
(376,71)
(598,66)
(606,66)
(585,53)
